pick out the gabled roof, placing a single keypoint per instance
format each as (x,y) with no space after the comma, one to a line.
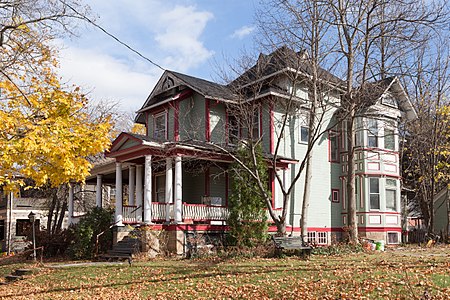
(172,85)
(373,92)
(282,60)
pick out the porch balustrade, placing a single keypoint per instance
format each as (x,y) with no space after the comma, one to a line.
(129,213)
(194,212)
(199,212)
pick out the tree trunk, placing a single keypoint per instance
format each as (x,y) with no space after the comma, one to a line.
(352,225)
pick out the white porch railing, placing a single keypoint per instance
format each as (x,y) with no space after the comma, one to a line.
(198,212)
(129,213)
(194,212)
(159,211)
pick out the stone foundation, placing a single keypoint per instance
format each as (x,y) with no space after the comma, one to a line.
(376,236)
(175,242)
(150,242)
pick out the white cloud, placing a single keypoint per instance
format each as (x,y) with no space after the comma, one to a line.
(106,78)
(181,29)
(243,32)
(166,33)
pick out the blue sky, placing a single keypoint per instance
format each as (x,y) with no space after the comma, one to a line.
(189,36)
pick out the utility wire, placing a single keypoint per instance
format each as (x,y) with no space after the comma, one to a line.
(111,35)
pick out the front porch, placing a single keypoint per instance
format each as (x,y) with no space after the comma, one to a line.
(164,213)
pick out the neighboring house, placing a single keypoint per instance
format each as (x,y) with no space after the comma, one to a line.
(15,208)
(177,179)
(14,222)
(442,212)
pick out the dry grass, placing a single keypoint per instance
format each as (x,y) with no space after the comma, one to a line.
(411,273)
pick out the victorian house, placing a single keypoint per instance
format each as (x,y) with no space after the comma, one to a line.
(175,176)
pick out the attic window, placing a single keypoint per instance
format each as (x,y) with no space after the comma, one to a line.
(168,83)
(389,100)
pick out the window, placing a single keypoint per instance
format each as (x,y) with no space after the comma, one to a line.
(334,146)
(389,100)
(391,194)
(160,189)
(233,130)
(372,133)
(23,226)
(374,189)
(256,134)
(335,195)
(304,134)
(319,238)
(392,237)
(389,139)
(160,126)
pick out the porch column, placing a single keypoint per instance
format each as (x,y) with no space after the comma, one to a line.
(139,193)
(70,204)
(98,191)
(131,184)
(178,190)
(169,188)
(118,213)
(148,190)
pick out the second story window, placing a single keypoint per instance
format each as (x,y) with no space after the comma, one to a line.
(374,189)
(391,194)
(334,146)
(389,139)
(160,126)
(233,130)
(372,133)
(304,134)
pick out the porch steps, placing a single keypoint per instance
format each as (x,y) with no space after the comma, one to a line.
(123,250)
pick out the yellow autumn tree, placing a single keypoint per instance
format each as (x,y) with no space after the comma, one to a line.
(46,132)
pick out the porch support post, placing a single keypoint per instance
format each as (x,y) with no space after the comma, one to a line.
(131,184)
(169,188)
(139,193)
(118,213)
(178,190)
(70,204)
(148,190)
(98,191)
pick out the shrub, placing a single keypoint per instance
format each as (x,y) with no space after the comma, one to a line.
(86,231)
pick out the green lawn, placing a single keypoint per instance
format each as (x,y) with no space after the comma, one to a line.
(403,274)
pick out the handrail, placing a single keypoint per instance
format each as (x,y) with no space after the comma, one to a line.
(100,234)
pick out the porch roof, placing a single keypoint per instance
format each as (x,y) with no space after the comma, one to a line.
(129,146)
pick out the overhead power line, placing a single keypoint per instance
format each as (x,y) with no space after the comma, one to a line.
(111,35)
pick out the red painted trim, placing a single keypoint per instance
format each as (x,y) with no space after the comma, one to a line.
(272,128)
(207,121)
(176,129)
(379,229)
